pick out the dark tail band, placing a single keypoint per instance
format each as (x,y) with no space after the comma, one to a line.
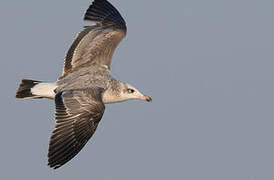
(24,89)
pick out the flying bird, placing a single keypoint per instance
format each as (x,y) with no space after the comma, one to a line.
(86,85)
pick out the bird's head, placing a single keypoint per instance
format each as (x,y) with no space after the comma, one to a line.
(129,92)
(123,92)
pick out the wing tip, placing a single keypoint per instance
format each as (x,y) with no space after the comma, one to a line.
(53,166)
(102,11)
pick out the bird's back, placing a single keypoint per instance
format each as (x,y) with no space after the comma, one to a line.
(86,77)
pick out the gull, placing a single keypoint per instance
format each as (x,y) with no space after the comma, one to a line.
(86,85)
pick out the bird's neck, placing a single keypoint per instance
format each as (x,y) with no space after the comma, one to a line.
(113,93)
(110,96)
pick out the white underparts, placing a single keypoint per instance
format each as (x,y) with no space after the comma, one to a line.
(45,90)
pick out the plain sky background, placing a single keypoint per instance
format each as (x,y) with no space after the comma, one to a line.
(208,66)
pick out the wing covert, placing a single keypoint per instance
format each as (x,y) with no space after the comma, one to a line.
(77,114)
(96,44)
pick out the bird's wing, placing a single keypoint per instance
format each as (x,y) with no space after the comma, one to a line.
(77,114)
(96,43)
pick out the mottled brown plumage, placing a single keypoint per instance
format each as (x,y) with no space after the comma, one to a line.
(77,114)
(86,84)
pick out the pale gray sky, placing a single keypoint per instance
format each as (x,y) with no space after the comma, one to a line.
(208,66)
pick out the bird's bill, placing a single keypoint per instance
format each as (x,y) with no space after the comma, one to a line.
(147,98)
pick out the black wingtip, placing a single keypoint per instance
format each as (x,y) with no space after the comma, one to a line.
(54,166)
(105,13)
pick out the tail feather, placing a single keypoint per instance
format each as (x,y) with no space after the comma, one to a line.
(36,89)
(24,90)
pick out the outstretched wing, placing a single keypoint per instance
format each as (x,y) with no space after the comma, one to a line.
(96,43)
(77,115)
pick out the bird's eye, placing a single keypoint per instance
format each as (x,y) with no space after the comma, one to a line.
(130,91)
